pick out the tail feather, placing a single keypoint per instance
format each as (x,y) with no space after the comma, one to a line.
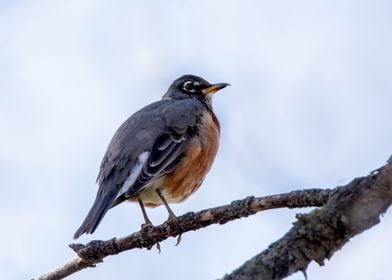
(101,205)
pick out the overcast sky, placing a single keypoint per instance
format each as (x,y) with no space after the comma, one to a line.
(309,106)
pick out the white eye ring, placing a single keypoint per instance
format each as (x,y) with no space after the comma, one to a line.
(189,86)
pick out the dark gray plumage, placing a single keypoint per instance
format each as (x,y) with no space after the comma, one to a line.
(163,129)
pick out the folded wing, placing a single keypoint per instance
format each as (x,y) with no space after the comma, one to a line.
(161,133)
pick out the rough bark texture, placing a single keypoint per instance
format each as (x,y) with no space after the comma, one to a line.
(316,236)
(346,211)
(93,252)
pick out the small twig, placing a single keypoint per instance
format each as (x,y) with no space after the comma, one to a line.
(95,251)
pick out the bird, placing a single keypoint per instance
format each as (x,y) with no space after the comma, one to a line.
(160,154)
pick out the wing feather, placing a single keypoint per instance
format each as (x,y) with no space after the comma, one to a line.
(158,161)
(156,137)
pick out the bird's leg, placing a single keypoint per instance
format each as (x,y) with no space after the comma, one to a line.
(147,221)
(172,216)
(171,213)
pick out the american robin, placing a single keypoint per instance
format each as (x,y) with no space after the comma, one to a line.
(161,154)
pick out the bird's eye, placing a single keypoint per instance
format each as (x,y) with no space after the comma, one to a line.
(189,86)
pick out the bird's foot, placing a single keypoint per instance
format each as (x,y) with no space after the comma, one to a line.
(171,217)
(146,226)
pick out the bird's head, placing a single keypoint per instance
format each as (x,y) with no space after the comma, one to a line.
(190,86)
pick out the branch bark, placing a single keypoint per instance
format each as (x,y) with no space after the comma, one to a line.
(95,251)
(315,236)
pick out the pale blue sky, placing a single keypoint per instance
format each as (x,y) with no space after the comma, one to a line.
(309,106)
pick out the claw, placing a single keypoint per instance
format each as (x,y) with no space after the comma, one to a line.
(159,248)
(145,226)
(178,239)
(171,217)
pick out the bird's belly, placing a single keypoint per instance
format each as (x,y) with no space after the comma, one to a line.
(187,177)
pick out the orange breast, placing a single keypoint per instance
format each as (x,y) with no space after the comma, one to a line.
(189,175)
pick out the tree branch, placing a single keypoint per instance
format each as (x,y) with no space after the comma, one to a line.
(95,251)
(316,236)
(346,212)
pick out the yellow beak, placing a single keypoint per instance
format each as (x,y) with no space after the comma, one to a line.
(214,88)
